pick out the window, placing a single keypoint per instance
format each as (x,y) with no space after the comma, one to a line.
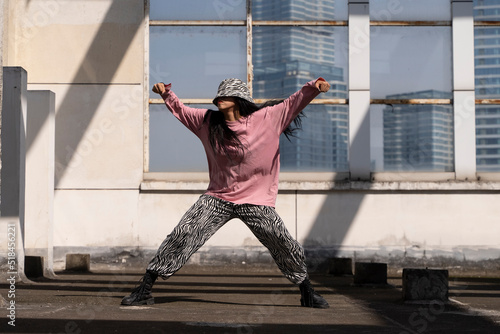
(487,60)
(277,46)
(412,138)
(191,10)
(409,63)
(293,42)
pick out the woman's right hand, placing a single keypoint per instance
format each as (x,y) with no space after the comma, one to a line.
(159,88)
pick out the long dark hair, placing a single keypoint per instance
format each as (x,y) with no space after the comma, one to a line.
(221,136)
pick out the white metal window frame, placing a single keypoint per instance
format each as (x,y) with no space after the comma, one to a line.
(359,177)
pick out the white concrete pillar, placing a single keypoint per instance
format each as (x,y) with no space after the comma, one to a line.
(39,202)
(13,155)
(359,89)
(464,89)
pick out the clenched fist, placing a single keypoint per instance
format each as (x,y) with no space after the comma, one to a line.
(322,85)
(159,88)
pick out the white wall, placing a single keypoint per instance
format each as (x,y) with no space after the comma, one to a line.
(384,225)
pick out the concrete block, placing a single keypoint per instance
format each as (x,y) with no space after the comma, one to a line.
(78,262)
(33,266)
(425,284)
(370,273)
(339,266)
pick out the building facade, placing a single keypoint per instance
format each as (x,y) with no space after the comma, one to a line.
(487,63)
(418,137)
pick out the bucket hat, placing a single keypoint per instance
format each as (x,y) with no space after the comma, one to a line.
(233,88)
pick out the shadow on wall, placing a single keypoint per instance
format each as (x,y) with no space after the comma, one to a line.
(332,223)
(335,217)
(109,46)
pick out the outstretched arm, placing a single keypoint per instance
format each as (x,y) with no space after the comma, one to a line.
(287,111)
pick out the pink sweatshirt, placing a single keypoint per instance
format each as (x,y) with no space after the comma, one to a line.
(254,178)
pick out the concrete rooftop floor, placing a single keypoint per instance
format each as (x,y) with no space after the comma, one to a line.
(229,300)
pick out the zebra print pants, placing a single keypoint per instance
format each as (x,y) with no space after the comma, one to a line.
(209,214)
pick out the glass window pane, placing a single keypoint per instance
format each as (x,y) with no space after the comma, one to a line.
(172,147)
(487,67)
(299,10)
(412,138)
(487,62)
(285,58)
(486,10)
(197,10)
(488,138)
(196,59)
(411,61)
(322,143)
(410,10)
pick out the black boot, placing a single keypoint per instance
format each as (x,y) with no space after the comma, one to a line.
(309,297)
(141,295)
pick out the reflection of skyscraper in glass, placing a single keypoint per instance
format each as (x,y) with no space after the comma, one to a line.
(487,63)
(418,137)
(285,58)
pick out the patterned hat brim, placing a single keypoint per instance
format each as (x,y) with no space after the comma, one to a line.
(233,88)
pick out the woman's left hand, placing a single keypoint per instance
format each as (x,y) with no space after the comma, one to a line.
(322,85)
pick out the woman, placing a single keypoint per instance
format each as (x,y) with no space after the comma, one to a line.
(241,141)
